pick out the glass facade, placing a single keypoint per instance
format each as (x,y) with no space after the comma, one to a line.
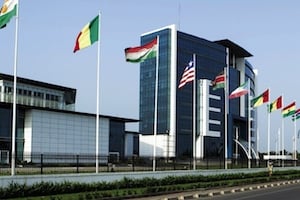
(210,61)
(117,137)
(147,86)
(34,93)
(6,128)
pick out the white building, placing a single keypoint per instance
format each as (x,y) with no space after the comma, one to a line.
(48,124)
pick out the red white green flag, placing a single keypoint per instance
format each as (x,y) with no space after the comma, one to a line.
(219,81)
(240,91)
(141,53)
(7,11)
(88,35)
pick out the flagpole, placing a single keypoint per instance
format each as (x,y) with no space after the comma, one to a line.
(155,105)
(295,127)
(226,107)
(13,139)
(282,137)
(97,93)
(279,141)
(269,126)
(258,140)
(249,127)
(194,113)
(294,141)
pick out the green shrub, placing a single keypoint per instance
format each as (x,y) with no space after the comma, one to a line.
(145,186)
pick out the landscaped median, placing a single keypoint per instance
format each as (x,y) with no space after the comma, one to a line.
(128,187)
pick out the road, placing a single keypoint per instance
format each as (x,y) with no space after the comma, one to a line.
(290,192)
(262,191)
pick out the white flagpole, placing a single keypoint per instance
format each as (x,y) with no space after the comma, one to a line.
(294,141)
(269,126)
(97,93)
(226,106)
(13,139)
(249,127)
(282,137)
(279,142)
(194,113)
(258,140)
(155,105)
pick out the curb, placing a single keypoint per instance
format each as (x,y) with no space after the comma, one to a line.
(202,194)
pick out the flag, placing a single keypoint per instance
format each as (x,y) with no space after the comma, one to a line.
(261,99)
(275,105)
(289,110)
(188,74)
(88,35)
(296,115)
(7,11)
(219,81)
(240,91)
(141,53)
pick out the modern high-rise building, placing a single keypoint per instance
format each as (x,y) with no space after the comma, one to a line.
(175,106)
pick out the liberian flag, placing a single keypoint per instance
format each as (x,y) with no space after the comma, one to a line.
(88,35)
(141,53)
(219,81)
(240,91)
(261,99)
(188,74)
(289,110)
(8,10)
(275,105)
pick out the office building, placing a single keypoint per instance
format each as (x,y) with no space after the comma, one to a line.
(175,106)
(47,123)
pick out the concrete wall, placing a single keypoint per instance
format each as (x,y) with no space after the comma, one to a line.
(110,177)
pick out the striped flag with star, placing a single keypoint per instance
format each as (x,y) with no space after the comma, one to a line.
(289,109)
(188,74)
(296,115)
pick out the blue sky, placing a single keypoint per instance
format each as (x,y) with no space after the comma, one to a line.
(47,31)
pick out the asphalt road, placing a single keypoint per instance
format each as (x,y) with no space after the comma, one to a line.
(288,192)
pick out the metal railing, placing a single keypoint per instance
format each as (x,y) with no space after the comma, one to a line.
(74,163)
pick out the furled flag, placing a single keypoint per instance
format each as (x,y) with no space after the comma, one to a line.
(188,74)
(240,91)
(261,99)
(141,53)
(289,110)
(219,81)
(275,105)
(7,11)
(296,115)
(88,35)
